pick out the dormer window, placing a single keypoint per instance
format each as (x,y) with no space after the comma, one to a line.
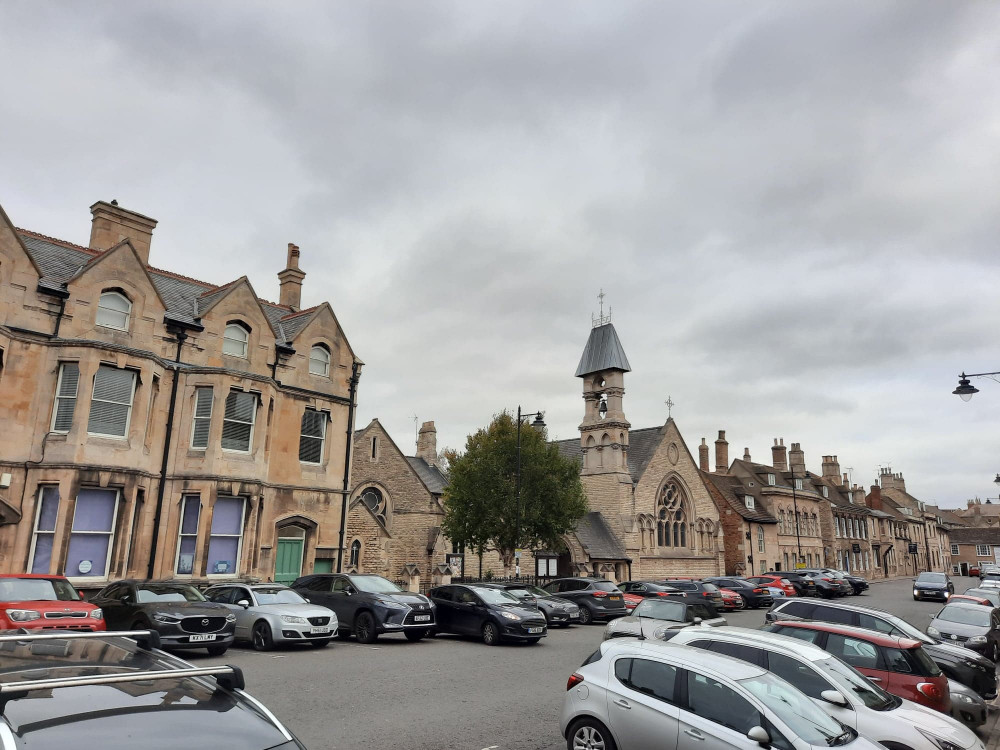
(319,361)
(235,340)
(113,311)
(770,479)
(826,491)
(798,484)
(749,501)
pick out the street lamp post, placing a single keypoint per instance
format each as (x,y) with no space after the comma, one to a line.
(966,390)
(539,425)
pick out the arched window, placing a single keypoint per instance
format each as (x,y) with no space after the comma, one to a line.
(235,340)
(671,520)
(355,554)
(781,521)
(760,539)
(375,502)
(319,361)
(113,311)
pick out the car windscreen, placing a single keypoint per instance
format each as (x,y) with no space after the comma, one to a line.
(520,593)
(278,596)
(605,586)
(659,609)
(36,590)
(163,592)
(852,681)
(710,587)
(807,720)
(704,611)
(494,596)
(966,615)
(535,591)
(375,585)
(931,578)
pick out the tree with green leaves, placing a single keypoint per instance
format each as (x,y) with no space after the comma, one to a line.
(481,503)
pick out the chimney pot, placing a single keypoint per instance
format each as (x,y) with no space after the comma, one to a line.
(746,454)
(290,280)
(721,453)
(779,459)
(110,224)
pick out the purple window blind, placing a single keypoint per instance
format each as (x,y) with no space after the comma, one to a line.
(88,548)
(88,552)
(49,509)
(227,516)
(95,510)
(43,554)
(224,544)
(189,523)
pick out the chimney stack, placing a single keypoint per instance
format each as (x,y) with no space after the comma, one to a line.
(291,280)
(427,443)
(778,459)
(874,499)
(746,454)
(111,224)
(703,456)
(721,453)
(831,469)
(796,459)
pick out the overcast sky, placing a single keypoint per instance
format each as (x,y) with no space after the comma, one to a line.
(793,208)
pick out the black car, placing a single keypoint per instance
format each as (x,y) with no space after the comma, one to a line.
(368,605)
(175,609)
(932,586)
(858,583)
(707,590)
(597,598)
(650,589)
(555,610)
(753,595)
(105,690)
(958,663)
(487,612)
(803,585)
(825,585)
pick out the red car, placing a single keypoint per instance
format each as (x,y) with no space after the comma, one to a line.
(968,599)
(731,600)
(632,601)
(775,581)
(43,602)
(974,570)
(898,665)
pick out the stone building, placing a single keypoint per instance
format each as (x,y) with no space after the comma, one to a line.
(156,425)
(973,547)
(925,525)
(854,528)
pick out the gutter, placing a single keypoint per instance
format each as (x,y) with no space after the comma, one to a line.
(349,445)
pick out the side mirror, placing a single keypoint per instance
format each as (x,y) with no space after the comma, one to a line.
(243,603)
(349,591)
(697,621)
(834,697)
(759,735)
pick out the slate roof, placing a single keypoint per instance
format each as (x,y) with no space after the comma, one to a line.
(969,535)
(731,491)
(184,297)
(642,444)
(435,479)
(598,539)
(603,352)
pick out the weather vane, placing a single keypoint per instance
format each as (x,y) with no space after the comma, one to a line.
(670,405)
(601,320)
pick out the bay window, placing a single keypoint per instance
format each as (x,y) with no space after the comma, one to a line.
(45,530)
(226,540)
(111,402)
(188,541)
(238,421)
(93,533)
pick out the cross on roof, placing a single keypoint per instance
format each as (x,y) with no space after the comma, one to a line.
(670,405)
(600,319)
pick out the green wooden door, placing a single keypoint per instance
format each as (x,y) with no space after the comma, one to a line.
(288,561)
(323,566)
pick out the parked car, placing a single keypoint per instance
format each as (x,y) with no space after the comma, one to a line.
(989,570)
(597,598)
(967,705)
(368,606)
(731,601)
(269,613)
(174,609)
(125,695)
(646,694)
(971,625)
(803,584)
(859,584)
(829,585)
(974,571)
(631,601)
(555,610)
(932,586)
(650,589)
(989,579)
(697,587)
(970,599)
(44,602)
(900,665)
(958,663)
(486,612)
(653,616)
(990,595)
(775,580)
(754,596)
(838,688)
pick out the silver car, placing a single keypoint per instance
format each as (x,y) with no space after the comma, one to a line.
(649,695)
(269,613)
(653,616)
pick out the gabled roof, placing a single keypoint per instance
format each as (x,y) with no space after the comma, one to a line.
(597,538)
(968,535)
(731,491)
(603,352)
(435,479)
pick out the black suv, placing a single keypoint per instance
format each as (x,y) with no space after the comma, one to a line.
(803,585)
(754,596)
(693,586)
(488,612)
(958,663)
(108,690)
(369,605)
(597,598)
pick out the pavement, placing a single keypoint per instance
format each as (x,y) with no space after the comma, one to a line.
(450,692)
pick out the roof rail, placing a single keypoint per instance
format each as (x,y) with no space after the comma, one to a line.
(146,639)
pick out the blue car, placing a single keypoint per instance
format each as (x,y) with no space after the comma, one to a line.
(932,586)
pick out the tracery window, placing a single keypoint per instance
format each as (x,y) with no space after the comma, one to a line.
(671,520)
(375,502)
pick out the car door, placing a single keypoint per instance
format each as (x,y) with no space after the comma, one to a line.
(110,602)
(468,613)
(714,716)
(642,703)
(318,591)
(442,598)
(861,655)
(806,678)
(344,600)
(244,615)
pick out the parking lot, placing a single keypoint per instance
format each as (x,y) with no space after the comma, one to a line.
(450,692)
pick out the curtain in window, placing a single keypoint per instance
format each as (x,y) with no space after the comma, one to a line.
(111,401)
(45,527)
(237,425)
(227,530)
(93,532)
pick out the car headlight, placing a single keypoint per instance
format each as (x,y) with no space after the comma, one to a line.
(916,592)
(167,619)
(230,617)
(933,632)
(390,604)
(939,741)
(962,698)
(977,640)
(97,614)
(294,619)
(510,616)
(23,615)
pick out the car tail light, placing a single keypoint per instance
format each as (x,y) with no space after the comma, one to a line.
(931,691)
(828,580)
(600,594)
(574,679)
(758,591)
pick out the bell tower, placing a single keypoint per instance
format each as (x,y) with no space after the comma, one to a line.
(604,430)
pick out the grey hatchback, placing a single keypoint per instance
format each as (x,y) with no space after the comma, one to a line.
(971,625)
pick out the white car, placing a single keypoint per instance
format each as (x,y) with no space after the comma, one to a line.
(654,615)
(838,688)
(270,613)
(636,694)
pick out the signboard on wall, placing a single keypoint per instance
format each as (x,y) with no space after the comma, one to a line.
(457,564)
(913,548)
(856,548)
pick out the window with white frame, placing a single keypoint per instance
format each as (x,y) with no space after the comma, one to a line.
(983,550)
(235,340)
(954,549)
(93,533)
(760,538)
(749,502)
(312,437)
(113,310)
(111,402)
(238,421)
(43,540)
(798,483)
(188,534)
(770,479)
(201,422)
(225,543)
(67,386)
(319,361)
(826,491)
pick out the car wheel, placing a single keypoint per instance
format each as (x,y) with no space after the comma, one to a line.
(217,650)
(364,628)
(141,625)
(415,635)
(491,635)
(321,643)
(586,616)
(261,636)
(589,734)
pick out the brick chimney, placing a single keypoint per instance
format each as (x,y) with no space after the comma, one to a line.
(746,454)
(778,458)
(721,453)
(796,459)
(831,469)
(291,280)
(874,498)
(111,224)
(427,443)
(703,456)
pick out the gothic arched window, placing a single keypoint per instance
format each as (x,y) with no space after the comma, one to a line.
(355,553)
(671,520)
(375,502)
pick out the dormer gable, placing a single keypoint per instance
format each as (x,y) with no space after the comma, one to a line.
(12,248)
(119,265)
(238,294)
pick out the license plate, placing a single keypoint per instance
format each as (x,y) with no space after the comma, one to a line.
(535,630)
(197,638)
(614,598)
(421,618)
(318,630)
